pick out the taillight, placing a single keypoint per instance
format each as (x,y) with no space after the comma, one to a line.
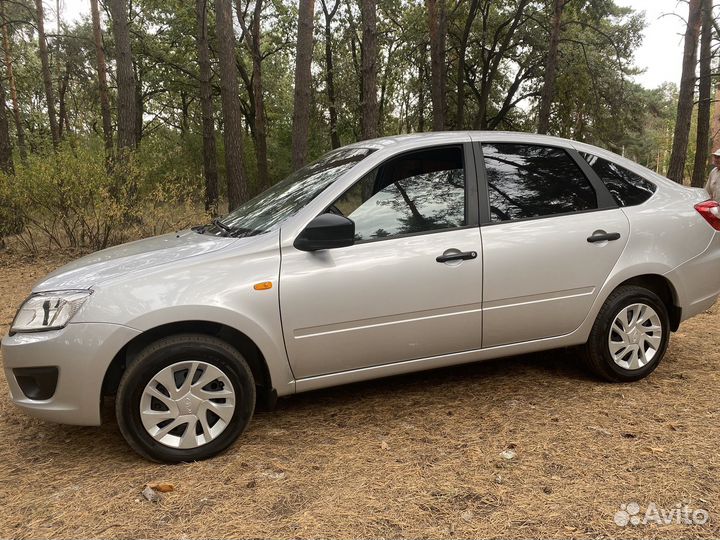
(710,210)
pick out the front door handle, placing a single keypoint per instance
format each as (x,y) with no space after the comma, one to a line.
(462,256)
(602,236)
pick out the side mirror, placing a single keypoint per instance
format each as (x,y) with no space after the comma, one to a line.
(326,231)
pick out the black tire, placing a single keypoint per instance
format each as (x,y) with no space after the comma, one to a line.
(596,351)
(166,352)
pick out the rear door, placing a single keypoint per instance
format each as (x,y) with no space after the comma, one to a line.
(551,235)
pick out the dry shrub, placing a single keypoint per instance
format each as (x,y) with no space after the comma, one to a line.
(71,200)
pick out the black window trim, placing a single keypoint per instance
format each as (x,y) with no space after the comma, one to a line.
(604,198)
(471,189)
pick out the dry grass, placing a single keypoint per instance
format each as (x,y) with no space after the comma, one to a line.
(414,456)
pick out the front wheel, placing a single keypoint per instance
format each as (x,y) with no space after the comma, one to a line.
(185,398)
(630,335)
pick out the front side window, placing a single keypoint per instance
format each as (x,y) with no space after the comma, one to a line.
(414,193)
(286,198)
(626,187)
(526,181)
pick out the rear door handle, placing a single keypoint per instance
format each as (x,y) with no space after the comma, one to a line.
(462,256)
(603,237)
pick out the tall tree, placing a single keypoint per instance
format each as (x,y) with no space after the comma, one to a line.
(126,87)
(6,160)
(548,90)
(705,91)
(437,22)
(7,48)
(303,83)
(210,169)
(330,71)
(46,76)
(102,79)
(63,117)
(252,33)
(237,188)
(370,111)
(686,96)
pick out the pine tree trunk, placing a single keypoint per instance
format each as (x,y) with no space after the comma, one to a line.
(46,76)
(102,80)
(210,169)
(6,160)
(369,69)
(686,96)
(437,22)
(64,121)
(548,91)
(330,74)
(253,39)
(7,47)
(303,84)
(232,115)
(700,168)
(126,99)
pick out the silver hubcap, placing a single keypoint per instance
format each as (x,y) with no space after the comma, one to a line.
(187,404)
(635,336)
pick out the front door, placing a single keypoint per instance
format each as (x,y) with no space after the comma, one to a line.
(411,285)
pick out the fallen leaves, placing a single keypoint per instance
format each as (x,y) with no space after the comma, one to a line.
(162,487)
(152,492)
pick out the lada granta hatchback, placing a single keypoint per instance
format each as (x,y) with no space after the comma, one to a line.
(383,257)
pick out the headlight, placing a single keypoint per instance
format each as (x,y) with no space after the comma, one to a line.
(48,311)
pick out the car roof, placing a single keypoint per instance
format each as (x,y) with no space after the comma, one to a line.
(481,136)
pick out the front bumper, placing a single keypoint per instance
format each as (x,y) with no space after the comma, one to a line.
(81,353)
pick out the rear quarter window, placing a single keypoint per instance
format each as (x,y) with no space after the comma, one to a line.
(626,187)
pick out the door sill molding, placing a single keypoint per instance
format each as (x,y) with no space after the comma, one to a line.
(410,366)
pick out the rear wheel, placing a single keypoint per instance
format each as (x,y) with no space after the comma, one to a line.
(185,398)
(630,335)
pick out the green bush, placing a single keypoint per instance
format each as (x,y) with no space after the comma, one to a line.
(69,199)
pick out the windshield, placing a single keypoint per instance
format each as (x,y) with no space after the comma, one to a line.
(262,213)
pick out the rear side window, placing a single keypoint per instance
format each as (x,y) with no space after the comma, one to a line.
(626,187)
(526,181)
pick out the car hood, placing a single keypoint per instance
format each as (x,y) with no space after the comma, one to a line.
(116,261)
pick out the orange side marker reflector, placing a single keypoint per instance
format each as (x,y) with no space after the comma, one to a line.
(264,286)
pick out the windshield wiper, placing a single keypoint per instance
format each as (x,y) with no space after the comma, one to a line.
(220,225)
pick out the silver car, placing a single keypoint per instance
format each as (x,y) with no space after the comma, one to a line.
(383,257)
